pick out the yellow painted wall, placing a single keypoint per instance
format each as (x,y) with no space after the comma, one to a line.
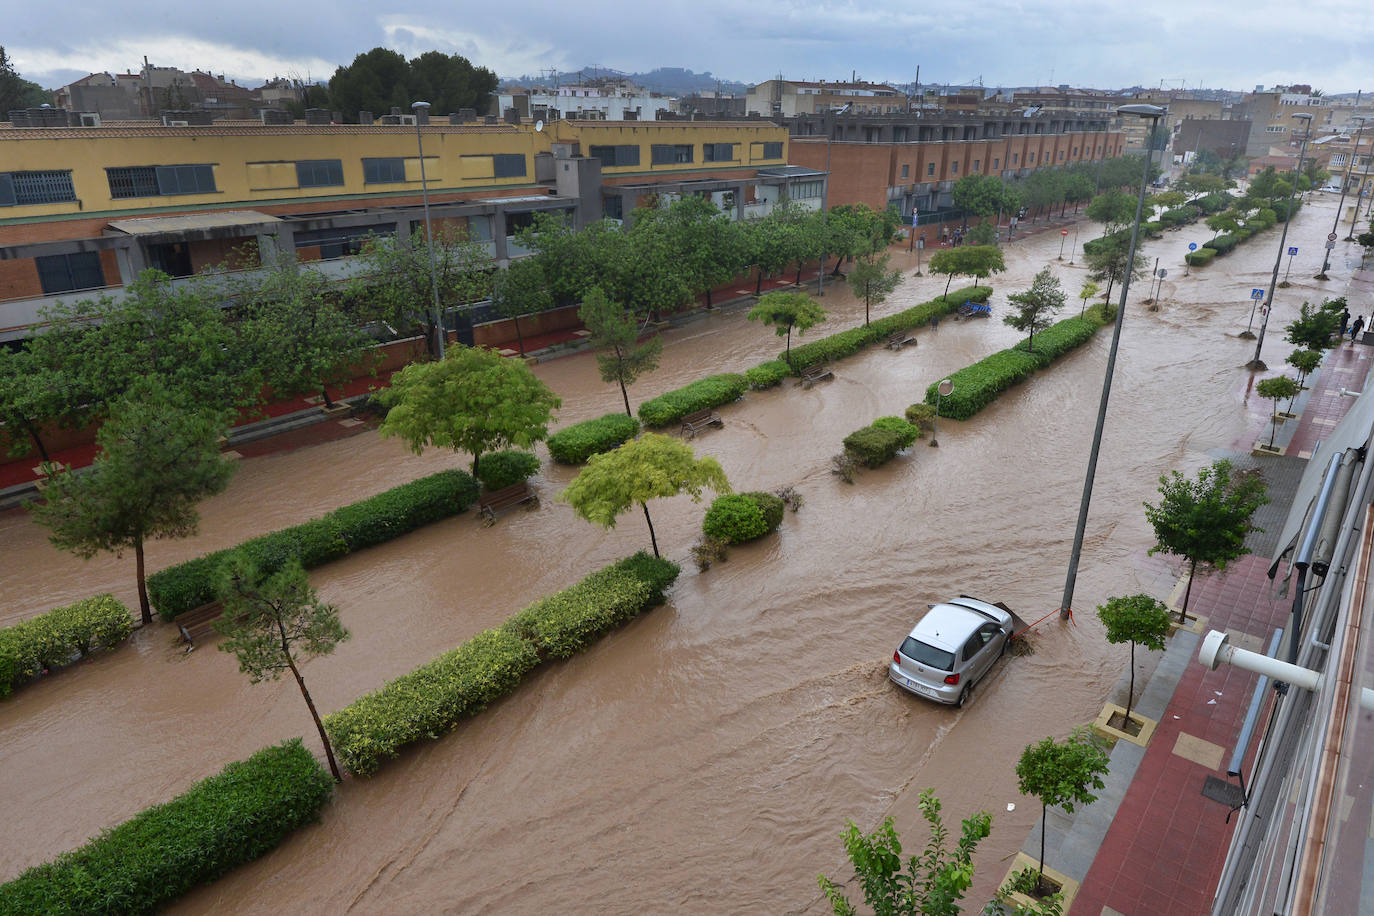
(748,137)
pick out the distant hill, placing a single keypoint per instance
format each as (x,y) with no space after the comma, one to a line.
(668,80)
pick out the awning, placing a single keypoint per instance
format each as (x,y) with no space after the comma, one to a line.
(205,225)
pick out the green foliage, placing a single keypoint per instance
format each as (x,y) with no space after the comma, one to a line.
(736,518)
(871,281)
(164,851)
(1114,209)
(1277,389)
(1205,521)
(615,332)
(967,261)
(575,444)
(1222,244)
(1305,361)
(846,343)
(1036,306)
(522,288)
(371,521)
(766,375)
(1315,328)
(921,415)
(501,469)
(880,441)
(1200,258)
(40,644)
(977,386)
(1136,619)
(979,195)
(784,311)
(711,391)
(931,884)
(431,700)
(1179,216)
(381,79)
(474,400)
(1062,773)
(982,234)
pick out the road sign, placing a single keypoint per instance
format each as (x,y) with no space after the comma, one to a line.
(1256,294)
(1331,236)
(1063,232)
(1192,246)
(1292,250)
(1163,273)
(1330,244)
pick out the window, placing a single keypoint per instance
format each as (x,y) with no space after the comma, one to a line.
(718,152)
(341,241)
(1061,155)
(613,207)
(160,180)
(906,170)
(612,156)
(1075,151)
(319,173)
(1030,159)
(772,150)
(977,164)
(926,654)
(138,181)
(508,165)
(23,189)
(805,189)
(63,273)
(384,171)
(954,168)
(665,154)
(1014,158)
(996,164)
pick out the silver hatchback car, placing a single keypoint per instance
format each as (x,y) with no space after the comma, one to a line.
(953,646)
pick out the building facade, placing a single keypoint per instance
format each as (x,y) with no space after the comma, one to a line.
(789,98)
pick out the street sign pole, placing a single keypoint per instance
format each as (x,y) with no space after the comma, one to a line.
(1256,296)
(1063,234)
(1192,246)
(1291,251)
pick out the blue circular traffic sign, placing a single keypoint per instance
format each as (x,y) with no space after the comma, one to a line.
(1192,246)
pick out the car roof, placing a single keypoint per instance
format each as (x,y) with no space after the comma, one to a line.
(947,626)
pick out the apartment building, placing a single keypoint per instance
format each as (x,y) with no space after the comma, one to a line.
(789,98)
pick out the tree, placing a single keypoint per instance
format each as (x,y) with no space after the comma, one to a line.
(704,245)
(981,234)
(1086,292)
(1205,521)
(931,884)
(978,195)
(1037,306)
(30,396)
(1305,361)
(17,92)
(785,311)
(269,623)
(616,333)
(1315,328)
(157,459)
(521,289)
(1135,619)
(1107,260)
(473,400)
(381,79)
(1114,209)
(650,467)
(1062,773)
(1276,389)
(450,82)
(872,281)
(979,261)
(394,278)
(1226,221)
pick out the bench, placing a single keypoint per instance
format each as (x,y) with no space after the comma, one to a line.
(492,504)
(899,340)
(816,373)
(699,419)
(198,623)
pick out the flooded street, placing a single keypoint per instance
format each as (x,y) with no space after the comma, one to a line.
(706,757)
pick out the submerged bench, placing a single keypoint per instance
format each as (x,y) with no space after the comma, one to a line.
(815,373)
(198,623)
(699,419)
(492,504)
(899,340)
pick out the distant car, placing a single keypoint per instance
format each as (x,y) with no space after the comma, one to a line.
(953,646)
(1332,189)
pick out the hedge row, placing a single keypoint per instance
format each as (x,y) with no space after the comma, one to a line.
(977,386)
(880,441)
(1200,258)
(220,823)
(766,375)
(434,698)
(737,518)
(846,343)
(372,521)
(59,637)
(498,470)
(578,442)
(711,391)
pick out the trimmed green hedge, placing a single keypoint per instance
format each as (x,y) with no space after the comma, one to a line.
(846,343)
(736,518)
(766,375)
(711,391)
(1282,211)
(977,386)
(56,638)
(577,443)
(372,521)
(1222,244)
(880,441)
(1200,258)
(431,700)
(498,470)
(164,851)
(1179,216)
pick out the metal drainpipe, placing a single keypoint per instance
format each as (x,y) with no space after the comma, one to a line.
(1217,649)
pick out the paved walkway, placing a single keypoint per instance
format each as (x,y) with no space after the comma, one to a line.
(1153,844)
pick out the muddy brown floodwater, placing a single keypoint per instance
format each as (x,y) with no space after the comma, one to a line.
(706,757)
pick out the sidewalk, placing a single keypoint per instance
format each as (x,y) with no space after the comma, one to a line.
(1153,842)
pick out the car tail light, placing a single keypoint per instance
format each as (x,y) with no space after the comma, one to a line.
(951,679)
(896,658)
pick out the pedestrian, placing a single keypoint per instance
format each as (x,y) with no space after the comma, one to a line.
(1356,328)
(1345,321)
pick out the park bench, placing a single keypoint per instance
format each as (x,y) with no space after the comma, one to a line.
(971,309)
(815,373)
(900,339)
(699,419)
(492,504)
(198,623)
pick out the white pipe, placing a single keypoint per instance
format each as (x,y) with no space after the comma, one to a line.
(1217,648)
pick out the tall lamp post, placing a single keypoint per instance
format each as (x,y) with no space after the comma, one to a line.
(1256,364)
(421,109)
(1153,112)
(1345,183)
(1364,179)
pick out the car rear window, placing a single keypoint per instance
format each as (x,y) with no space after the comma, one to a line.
(926,654)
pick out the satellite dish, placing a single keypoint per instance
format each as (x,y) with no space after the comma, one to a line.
(538,125)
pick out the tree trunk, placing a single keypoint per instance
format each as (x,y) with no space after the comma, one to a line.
(758,283)
(788,355)
(1044,810)
(475,456)
(799,272)
(947,283)
(144,609)
(324,392)
(1130,691)
(1188,590)
(520,339)
(624,394)
(866,299)
(1108,297)
(708,297)
(314,714)
(652,540)
(33,434)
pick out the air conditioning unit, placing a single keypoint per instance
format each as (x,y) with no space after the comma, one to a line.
(90,119)
(408,120)
(178,123)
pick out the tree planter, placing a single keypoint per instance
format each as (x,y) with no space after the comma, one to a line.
(338,411)
(1061,882)
(1110,724)
(1264,448)
(1195,624)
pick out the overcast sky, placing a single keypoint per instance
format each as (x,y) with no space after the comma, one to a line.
(1089,43)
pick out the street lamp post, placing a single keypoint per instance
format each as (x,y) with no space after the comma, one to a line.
(1364,179)
(1256,364)
(1345,183)
(942,390)
(1154,112)
(420,109)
